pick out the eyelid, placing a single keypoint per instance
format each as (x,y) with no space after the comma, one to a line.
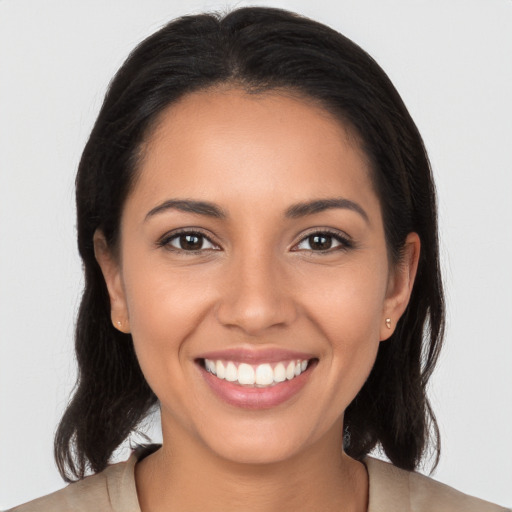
(345,240)
(164,240)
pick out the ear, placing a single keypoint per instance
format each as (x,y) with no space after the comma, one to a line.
(111,270)
(400,284)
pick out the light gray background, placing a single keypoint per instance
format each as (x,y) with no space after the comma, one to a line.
(450,60)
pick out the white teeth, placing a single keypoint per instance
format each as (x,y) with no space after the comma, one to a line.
(220,370)
(279,373)
(210,366)
(290,371)
(246,374)
(262,375)
(231,372)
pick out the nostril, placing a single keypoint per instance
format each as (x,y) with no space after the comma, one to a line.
(255,305)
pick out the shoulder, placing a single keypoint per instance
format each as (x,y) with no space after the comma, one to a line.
(112,490)
(393,489)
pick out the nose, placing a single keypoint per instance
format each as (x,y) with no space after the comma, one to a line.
(257,296)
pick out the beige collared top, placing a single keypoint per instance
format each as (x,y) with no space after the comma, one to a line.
(390,490)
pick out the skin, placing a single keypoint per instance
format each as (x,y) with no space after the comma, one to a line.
(258,282)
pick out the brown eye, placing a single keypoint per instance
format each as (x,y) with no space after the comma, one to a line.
(323,242)
(320,242)
(188,241)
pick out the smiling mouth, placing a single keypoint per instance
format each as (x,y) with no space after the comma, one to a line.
(264,375)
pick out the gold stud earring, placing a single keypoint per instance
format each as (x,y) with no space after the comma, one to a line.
(388,323)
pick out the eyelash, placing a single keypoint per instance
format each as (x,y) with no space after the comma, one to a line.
(344,241)
(166,239)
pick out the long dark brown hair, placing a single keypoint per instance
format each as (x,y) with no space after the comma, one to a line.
(257,49)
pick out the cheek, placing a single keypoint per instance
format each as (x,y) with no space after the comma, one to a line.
(162,302)
(347,308)
(347,303)
(164,310)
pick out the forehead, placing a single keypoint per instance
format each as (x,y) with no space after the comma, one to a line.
(240,145)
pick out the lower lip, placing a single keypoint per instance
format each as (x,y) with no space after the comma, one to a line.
(257,398)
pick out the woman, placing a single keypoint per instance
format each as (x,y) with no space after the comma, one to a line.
(257,221)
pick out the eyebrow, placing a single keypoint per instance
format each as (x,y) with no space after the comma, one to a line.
(319,205)
(295,211)
(190,206)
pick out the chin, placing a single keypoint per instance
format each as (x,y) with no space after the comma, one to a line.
(259,444)
(256,452)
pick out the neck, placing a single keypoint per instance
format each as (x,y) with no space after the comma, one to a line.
(189,477)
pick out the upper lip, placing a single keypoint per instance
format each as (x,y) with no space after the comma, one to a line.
(256,356)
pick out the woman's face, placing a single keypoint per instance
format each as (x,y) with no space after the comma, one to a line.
(254,274)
